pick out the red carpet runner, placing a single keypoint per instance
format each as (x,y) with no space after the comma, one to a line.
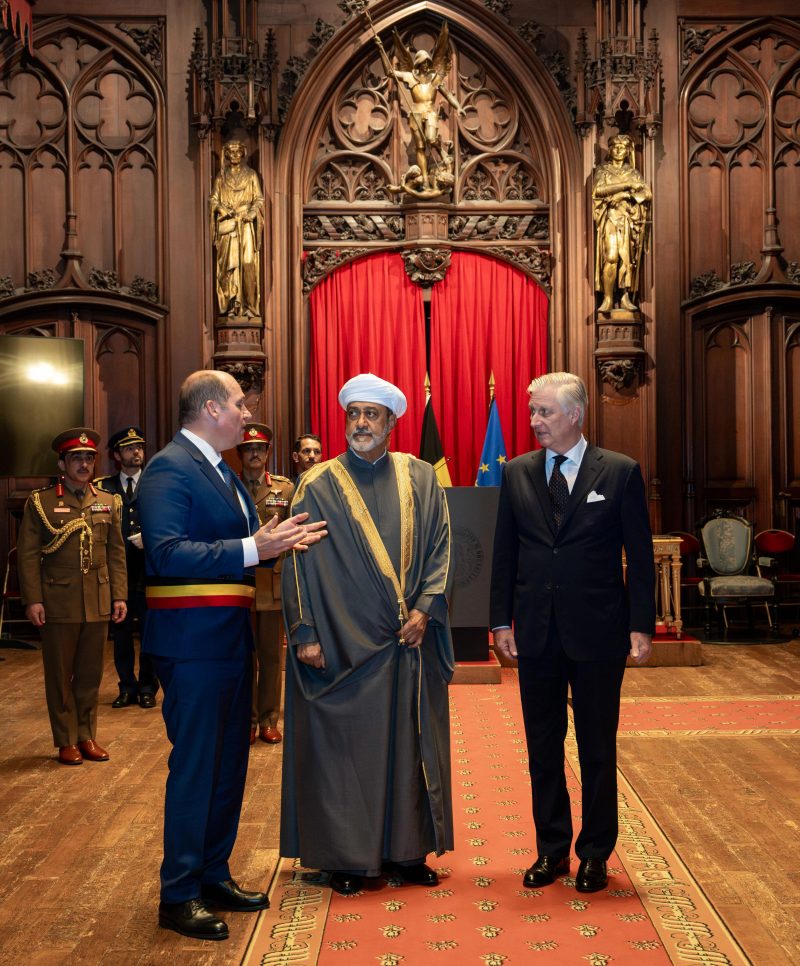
(652,912)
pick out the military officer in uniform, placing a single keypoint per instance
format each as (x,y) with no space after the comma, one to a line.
(127,450)
(71,563)
(272,496)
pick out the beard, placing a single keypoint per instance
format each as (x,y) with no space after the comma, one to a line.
(368,441)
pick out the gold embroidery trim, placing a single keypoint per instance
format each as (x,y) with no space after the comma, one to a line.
(402,471)
(362,516)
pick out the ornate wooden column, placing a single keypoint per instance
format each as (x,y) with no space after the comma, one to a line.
(234,94)
(619,92)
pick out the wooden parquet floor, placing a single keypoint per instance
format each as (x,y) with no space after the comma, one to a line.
(80,847)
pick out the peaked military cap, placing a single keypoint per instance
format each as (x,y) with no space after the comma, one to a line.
(125,437)
(80,439)
(256,433)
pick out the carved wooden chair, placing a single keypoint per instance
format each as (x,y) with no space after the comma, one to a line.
(728,555)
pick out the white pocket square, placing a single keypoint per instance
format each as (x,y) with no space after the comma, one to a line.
(594,497)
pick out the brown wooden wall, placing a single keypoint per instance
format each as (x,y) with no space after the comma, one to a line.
(104,185)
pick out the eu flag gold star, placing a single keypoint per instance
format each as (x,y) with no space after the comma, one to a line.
(484,468)
(501,459)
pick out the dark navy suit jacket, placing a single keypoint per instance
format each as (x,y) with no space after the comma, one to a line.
(574,576)
(192,527)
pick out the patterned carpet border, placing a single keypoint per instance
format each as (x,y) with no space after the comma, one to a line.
(718,716)
(653,911)
(686,921)
(291,930)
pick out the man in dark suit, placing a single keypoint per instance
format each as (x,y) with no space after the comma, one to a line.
(202,542)
(566,513)
(126,447)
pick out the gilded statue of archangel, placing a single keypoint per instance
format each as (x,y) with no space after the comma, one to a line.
(420,78)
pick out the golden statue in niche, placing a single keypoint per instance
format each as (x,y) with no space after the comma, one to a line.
(621,207)
(419,78)
(237,223)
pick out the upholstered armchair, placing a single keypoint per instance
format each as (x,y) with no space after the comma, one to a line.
(728,560)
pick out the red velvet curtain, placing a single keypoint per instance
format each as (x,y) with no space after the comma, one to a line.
(367,317)
(485,316)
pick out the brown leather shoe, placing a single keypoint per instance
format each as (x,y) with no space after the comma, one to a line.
(91,750)
(271,735)
(69,755)
(253,733)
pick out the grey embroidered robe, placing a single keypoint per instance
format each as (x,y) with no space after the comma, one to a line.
(366,764)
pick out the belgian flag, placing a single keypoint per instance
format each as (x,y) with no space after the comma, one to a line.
(430,447)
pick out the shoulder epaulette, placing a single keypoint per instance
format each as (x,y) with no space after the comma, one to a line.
(99,479)
(41,489)
(280,479)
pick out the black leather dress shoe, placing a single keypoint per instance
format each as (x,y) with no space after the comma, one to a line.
(228,895)
(346,883)
(191,919)
(545,870)
(592,875)
(147,700)
(124,699)
(419,874)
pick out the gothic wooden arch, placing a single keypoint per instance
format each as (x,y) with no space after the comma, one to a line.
(490,39)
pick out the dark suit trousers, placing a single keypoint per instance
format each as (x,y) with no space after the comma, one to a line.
(595,687)
(206,710)
(125,651)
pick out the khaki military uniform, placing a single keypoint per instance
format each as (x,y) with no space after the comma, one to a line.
(272,498)
(71,559)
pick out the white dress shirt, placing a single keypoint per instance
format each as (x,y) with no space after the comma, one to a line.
(249,549)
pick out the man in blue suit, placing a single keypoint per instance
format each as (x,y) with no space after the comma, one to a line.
(202,540)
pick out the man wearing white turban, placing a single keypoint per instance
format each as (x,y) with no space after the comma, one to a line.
(366,764)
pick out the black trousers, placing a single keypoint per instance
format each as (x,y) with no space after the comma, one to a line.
(125,649)
(595,687)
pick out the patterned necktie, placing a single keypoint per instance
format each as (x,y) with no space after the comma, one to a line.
(559,490)
(129,489)
(227,475)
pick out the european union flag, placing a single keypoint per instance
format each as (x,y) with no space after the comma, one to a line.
(493,457)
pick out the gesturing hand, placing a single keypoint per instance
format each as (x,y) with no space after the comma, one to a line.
(293,534)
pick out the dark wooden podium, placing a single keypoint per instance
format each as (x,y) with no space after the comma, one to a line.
(473,510)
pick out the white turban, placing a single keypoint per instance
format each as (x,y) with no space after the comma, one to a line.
(369,388)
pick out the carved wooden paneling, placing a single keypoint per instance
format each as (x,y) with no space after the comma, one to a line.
(124,366)
(787,488)
(744,432)
(80,143)
(742,133)
(364,145)
(727,424)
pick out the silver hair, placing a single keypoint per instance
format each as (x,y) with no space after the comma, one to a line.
(570,390)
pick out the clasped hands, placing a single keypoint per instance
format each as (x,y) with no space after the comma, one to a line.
(410,635)
(275,538)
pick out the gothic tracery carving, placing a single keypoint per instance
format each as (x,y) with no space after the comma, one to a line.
(498,185)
